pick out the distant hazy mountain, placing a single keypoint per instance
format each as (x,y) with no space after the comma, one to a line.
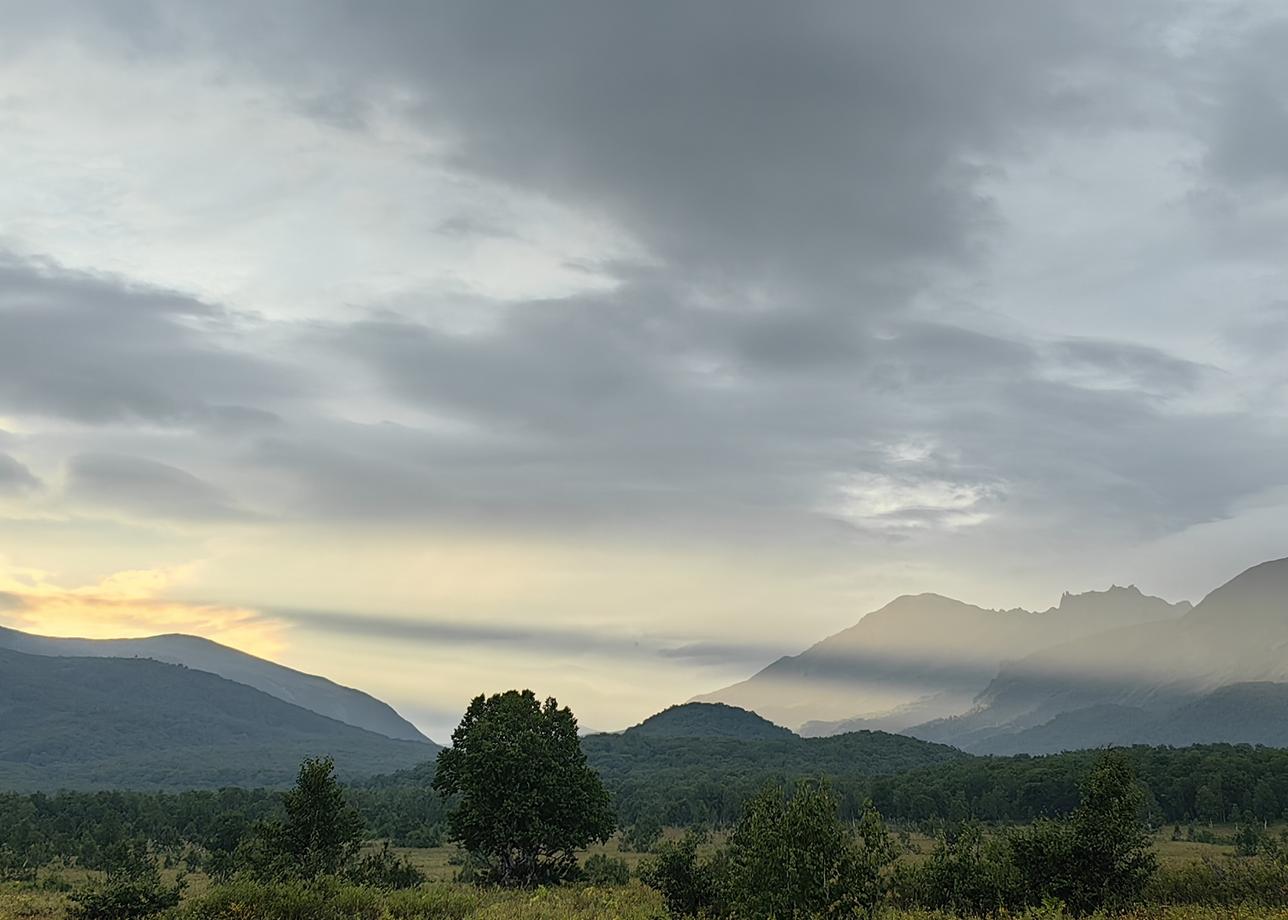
(317,694)
(923,657)
(709,720)
(135,723)
(1195,678)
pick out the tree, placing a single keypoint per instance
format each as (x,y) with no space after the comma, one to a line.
(689,886)
(604,871)
(528,800)
(1208,804)
(321,834)
(643,835)
(794,858)
(968,874)
(132,890)
(1265,801)
(1100,857)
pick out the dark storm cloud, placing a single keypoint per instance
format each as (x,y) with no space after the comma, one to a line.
(97,350)
(147,488)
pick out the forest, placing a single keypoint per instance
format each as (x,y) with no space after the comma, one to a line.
(669,826)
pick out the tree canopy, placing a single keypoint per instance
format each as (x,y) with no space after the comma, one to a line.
(527,798)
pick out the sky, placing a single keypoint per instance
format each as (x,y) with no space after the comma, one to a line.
(613,350)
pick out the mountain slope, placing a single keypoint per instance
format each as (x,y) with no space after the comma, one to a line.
(709,720)
(135,723)
(317,694)
(1237,635)
(922,657)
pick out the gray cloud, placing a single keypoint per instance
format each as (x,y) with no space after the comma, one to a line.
(1150,369)
(14,477)
(145,487)
(1248,143)
(805,341)
(97,350)
(525,637)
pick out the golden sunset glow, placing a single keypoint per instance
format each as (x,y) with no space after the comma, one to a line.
(130,604)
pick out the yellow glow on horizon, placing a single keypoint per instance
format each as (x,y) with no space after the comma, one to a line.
(130,604)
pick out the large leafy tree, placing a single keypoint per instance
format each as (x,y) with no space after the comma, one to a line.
(527,799)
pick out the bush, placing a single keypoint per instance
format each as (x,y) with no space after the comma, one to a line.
(384,869)
(689,886)
(1256,882)
(967,874)
(1099,858)
(132,890)
(795,858)
(643,835)
(603,870)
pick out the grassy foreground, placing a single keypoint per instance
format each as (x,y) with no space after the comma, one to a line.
(457,902)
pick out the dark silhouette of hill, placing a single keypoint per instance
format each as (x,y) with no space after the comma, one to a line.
(97,723)
(709,720)
(317,694)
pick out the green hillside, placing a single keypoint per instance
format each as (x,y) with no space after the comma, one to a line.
(710,720)
(83,723)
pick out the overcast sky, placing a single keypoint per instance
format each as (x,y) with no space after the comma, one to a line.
(615,349)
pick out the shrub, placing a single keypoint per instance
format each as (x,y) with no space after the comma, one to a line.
(643,835)
(132,890)
(603,870)
(796,858)
(384,869)
(967,873)
(688,885)
(1227,882)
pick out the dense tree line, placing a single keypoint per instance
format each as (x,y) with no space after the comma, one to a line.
(670,782)
(1201,784)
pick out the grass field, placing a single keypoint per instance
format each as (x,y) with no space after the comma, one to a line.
(457,902)
(442,899)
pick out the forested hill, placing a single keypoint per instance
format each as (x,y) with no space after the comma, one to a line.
(309,691)
(710,720)
(629,758)
(95,723)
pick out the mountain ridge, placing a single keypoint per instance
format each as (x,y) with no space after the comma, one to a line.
(309,691)
(103,722)
(1236,636)
(906,664)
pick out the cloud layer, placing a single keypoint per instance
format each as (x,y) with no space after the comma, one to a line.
(979,298)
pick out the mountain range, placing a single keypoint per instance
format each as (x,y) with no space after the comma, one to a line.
(1108,667)
(923,679)
(923,657)
(317,694)
(135,723)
